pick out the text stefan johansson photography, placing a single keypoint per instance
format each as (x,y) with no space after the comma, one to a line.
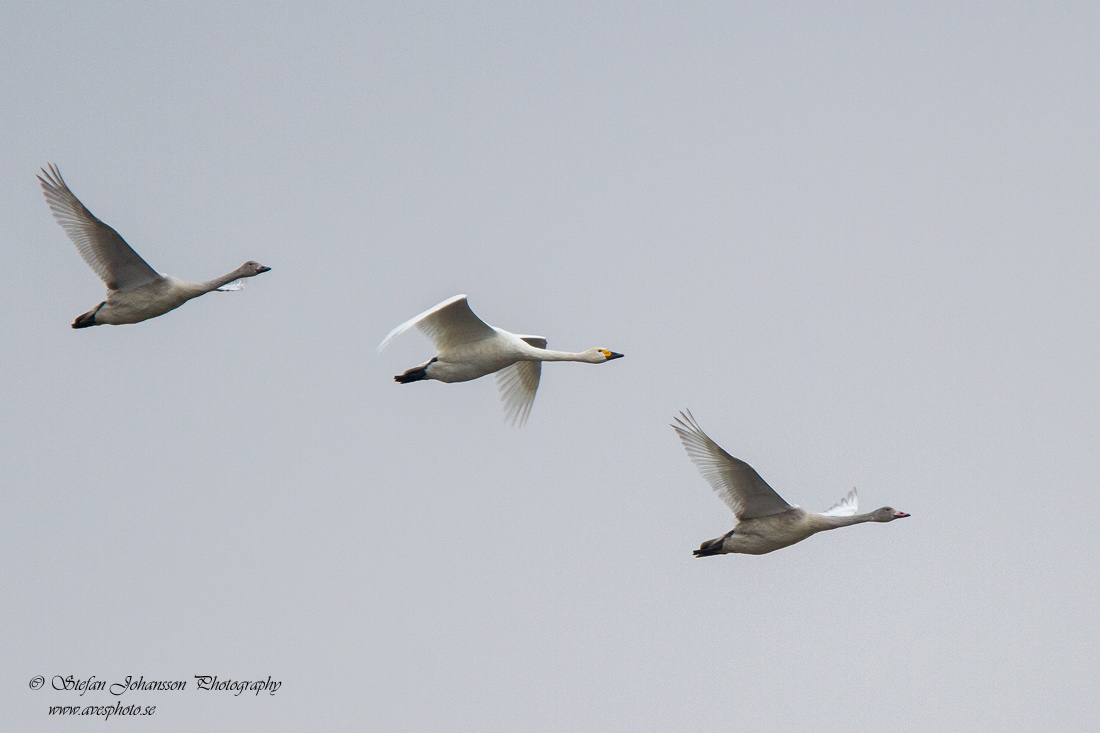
(202,682)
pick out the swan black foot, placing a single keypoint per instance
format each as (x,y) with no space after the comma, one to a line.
(88,319)
(412,375)
(415,374)
(710,547)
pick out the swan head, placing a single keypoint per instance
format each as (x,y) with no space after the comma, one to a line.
(888,514)
(252,268)
(599,356)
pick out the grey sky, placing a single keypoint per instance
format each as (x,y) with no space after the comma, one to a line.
(859,242)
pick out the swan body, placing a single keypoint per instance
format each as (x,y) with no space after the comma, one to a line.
(765,522)
(135,291)
(469,348)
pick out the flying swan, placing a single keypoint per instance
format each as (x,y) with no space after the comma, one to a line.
(135,291)
(764,521)
(470,348)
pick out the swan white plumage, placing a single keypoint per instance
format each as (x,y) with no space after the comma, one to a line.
(765,522)
(470,348)
(135,291)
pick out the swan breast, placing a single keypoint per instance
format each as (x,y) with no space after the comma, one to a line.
(148,301)
(468,361)
(767,534)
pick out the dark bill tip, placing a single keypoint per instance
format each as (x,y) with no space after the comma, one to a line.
(263,268)
(615,355)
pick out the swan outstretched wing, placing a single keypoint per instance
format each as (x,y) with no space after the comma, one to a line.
(107,253)
(736,482)
(518,384)
(846,507)
(447,324)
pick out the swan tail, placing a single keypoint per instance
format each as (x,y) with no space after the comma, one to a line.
(710,547)
(415,374)
(88,319)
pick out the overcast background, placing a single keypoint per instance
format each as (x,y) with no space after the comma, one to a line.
(859,242)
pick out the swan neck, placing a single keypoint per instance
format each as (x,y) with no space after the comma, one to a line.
(834,522)
(550,355)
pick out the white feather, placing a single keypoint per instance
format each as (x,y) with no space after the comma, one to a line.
(237,284)
(846,507)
